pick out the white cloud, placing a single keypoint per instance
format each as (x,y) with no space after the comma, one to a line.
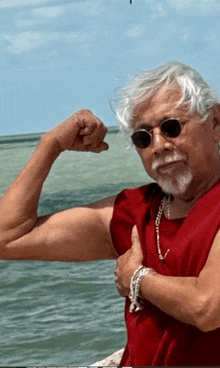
(35,15)
(149,1)
(197,6)
(79,41)
(28,41)
(34,28)
(169,37)
(38,17)
(181,4)
(24,23)
(49,11)
(89,8)
(17,3)
(136,31)
(212,37)
(85,8)
(160,10)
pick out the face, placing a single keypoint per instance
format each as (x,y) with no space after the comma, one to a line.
(184,164)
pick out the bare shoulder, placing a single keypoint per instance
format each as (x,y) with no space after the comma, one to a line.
(104,207)
(211,267)
(107,202)
(214,254)
(103,211)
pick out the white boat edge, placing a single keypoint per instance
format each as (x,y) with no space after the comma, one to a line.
(112,360)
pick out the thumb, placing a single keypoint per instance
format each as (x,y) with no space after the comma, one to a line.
(103,146)
(136,244)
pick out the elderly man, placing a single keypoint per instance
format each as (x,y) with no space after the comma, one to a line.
(165,236)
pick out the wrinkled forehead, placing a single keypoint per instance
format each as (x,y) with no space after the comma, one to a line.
(164,104)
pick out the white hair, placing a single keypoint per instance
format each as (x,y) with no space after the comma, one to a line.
(197,94)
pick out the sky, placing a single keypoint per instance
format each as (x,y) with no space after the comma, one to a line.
(57,56)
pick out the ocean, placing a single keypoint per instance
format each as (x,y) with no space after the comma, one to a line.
(60,313)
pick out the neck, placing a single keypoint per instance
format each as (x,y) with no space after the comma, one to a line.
(181,205)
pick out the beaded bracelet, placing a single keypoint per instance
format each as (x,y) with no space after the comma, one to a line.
(136,302)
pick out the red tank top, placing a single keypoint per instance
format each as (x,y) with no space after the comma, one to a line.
(153,337)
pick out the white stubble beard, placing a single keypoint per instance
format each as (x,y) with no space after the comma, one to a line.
(172,184)
(175,185)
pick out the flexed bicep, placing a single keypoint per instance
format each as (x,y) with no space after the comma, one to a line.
(72,235)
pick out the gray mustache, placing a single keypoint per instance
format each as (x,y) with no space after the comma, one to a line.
(168,159)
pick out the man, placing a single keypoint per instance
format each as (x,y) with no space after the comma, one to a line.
(171,275)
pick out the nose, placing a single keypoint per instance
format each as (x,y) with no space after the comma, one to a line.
(160,143)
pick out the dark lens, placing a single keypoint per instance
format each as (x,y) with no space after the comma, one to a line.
(141,138)
(171,128)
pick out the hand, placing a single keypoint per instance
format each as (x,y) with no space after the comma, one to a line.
(127,264)
(83,131)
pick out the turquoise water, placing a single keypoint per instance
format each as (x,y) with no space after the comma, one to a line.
(57,313)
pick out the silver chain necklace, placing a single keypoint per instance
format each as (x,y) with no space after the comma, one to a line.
(157,224)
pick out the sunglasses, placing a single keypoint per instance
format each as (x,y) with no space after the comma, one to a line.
(170,128)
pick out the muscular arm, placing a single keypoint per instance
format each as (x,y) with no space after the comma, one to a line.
(71,235)
(193,300)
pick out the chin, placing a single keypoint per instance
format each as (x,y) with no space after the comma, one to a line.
(176,185)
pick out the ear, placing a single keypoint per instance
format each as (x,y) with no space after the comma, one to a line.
(215,118)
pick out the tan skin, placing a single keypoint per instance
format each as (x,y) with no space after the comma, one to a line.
(82,234)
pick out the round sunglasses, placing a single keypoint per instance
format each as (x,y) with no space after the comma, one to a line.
(170,128)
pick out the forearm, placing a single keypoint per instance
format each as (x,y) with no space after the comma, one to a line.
(18,206)
(180,297)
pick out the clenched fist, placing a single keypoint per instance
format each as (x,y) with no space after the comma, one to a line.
(83,131)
